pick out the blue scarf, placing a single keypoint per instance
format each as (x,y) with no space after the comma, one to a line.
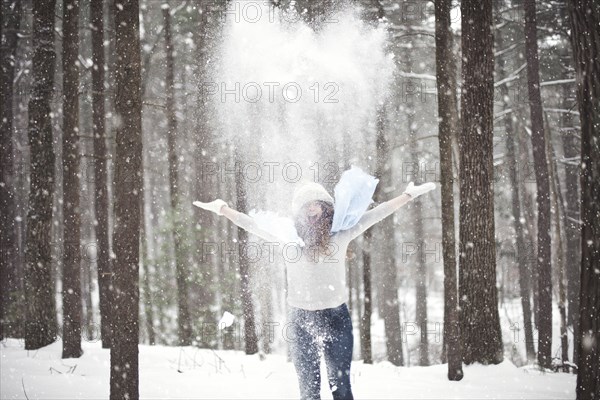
(353,195)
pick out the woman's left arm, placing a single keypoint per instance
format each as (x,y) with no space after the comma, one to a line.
(385,209)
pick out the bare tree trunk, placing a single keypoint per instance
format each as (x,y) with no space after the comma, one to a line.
(365,321)
(585,39)
(365,317)
(71,288)
(146,287)
(560,253)
(448,131)
(522,253)
(528,211)
(421,267)
(540,160)
(9,285)
(251,340)
(41,325)
(100,170)
(479,319)
(391,310)
(124,376)
(183,318)
(203,187)
(146,258)
(571,152)
(86,290)
(521,258)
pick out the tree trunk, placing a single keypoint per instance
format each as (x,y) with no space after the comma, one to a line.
(391,309)
(448,130)
(203,188)
(367,310)
(41,325)
(86,294)
(560,253)
(512,167)
(528,213)
(251,340)
(585,38)
(420,275)
(71,287)
(540,160)
(146,259)
(571,152)
(9,286)
(124,378)
(365,321)
(100,170)
(146,287)
(522,253)
(184,327)
(479,319)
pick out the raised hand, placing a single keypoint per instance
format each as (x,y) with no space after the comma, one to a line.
(214,206)
(415,191)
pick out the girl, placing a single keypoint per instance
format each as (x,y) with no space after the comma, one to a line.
(318,316)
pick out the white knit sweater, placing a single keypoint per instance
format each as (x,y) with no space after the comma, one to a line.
(319,284)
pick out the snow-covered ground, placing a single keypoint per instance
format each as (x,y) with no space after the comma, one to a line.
(191,373)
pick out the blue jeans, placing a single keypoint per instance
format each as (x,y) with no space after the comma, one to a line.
(328,331)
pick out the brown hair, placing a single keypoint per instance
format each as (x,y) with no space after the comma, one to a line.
(316,236)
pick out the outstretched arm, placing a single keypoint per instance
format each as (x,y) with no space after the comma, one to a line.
(242,220)
(385,209)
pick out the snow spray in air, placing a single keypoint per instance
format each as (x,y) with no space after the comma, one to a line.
(291,103)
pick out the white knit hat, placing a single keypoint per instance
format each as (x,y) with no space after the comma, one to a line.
(307,192)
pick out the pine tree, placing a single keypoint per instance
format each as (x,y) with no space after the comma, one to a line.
(100,169)
(10,20)
(540,160)
(448,129)
(585,39)
(183,317)
(479,319)
(71,285)
(40,324)
(124,374)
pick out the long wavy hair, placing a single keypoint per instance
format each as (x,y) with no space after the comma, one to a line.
(316,235)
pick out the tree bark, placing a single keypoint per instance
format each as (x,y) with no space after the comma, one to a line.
(100,170)
(71,285)
(448,130)
(559,252)
(41,325)
(585,39)
(124,378)
(203,188)
(365,321)
(391,309)
(540,160)
(479,319)
(146,287)
(571,152)
(420,275)
(512,167)
(9,285)
(251,340)
(365,318)
(184,327)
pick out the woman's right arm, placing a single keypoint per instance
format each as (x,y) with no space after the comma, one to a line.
(246,222)
(242,220)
